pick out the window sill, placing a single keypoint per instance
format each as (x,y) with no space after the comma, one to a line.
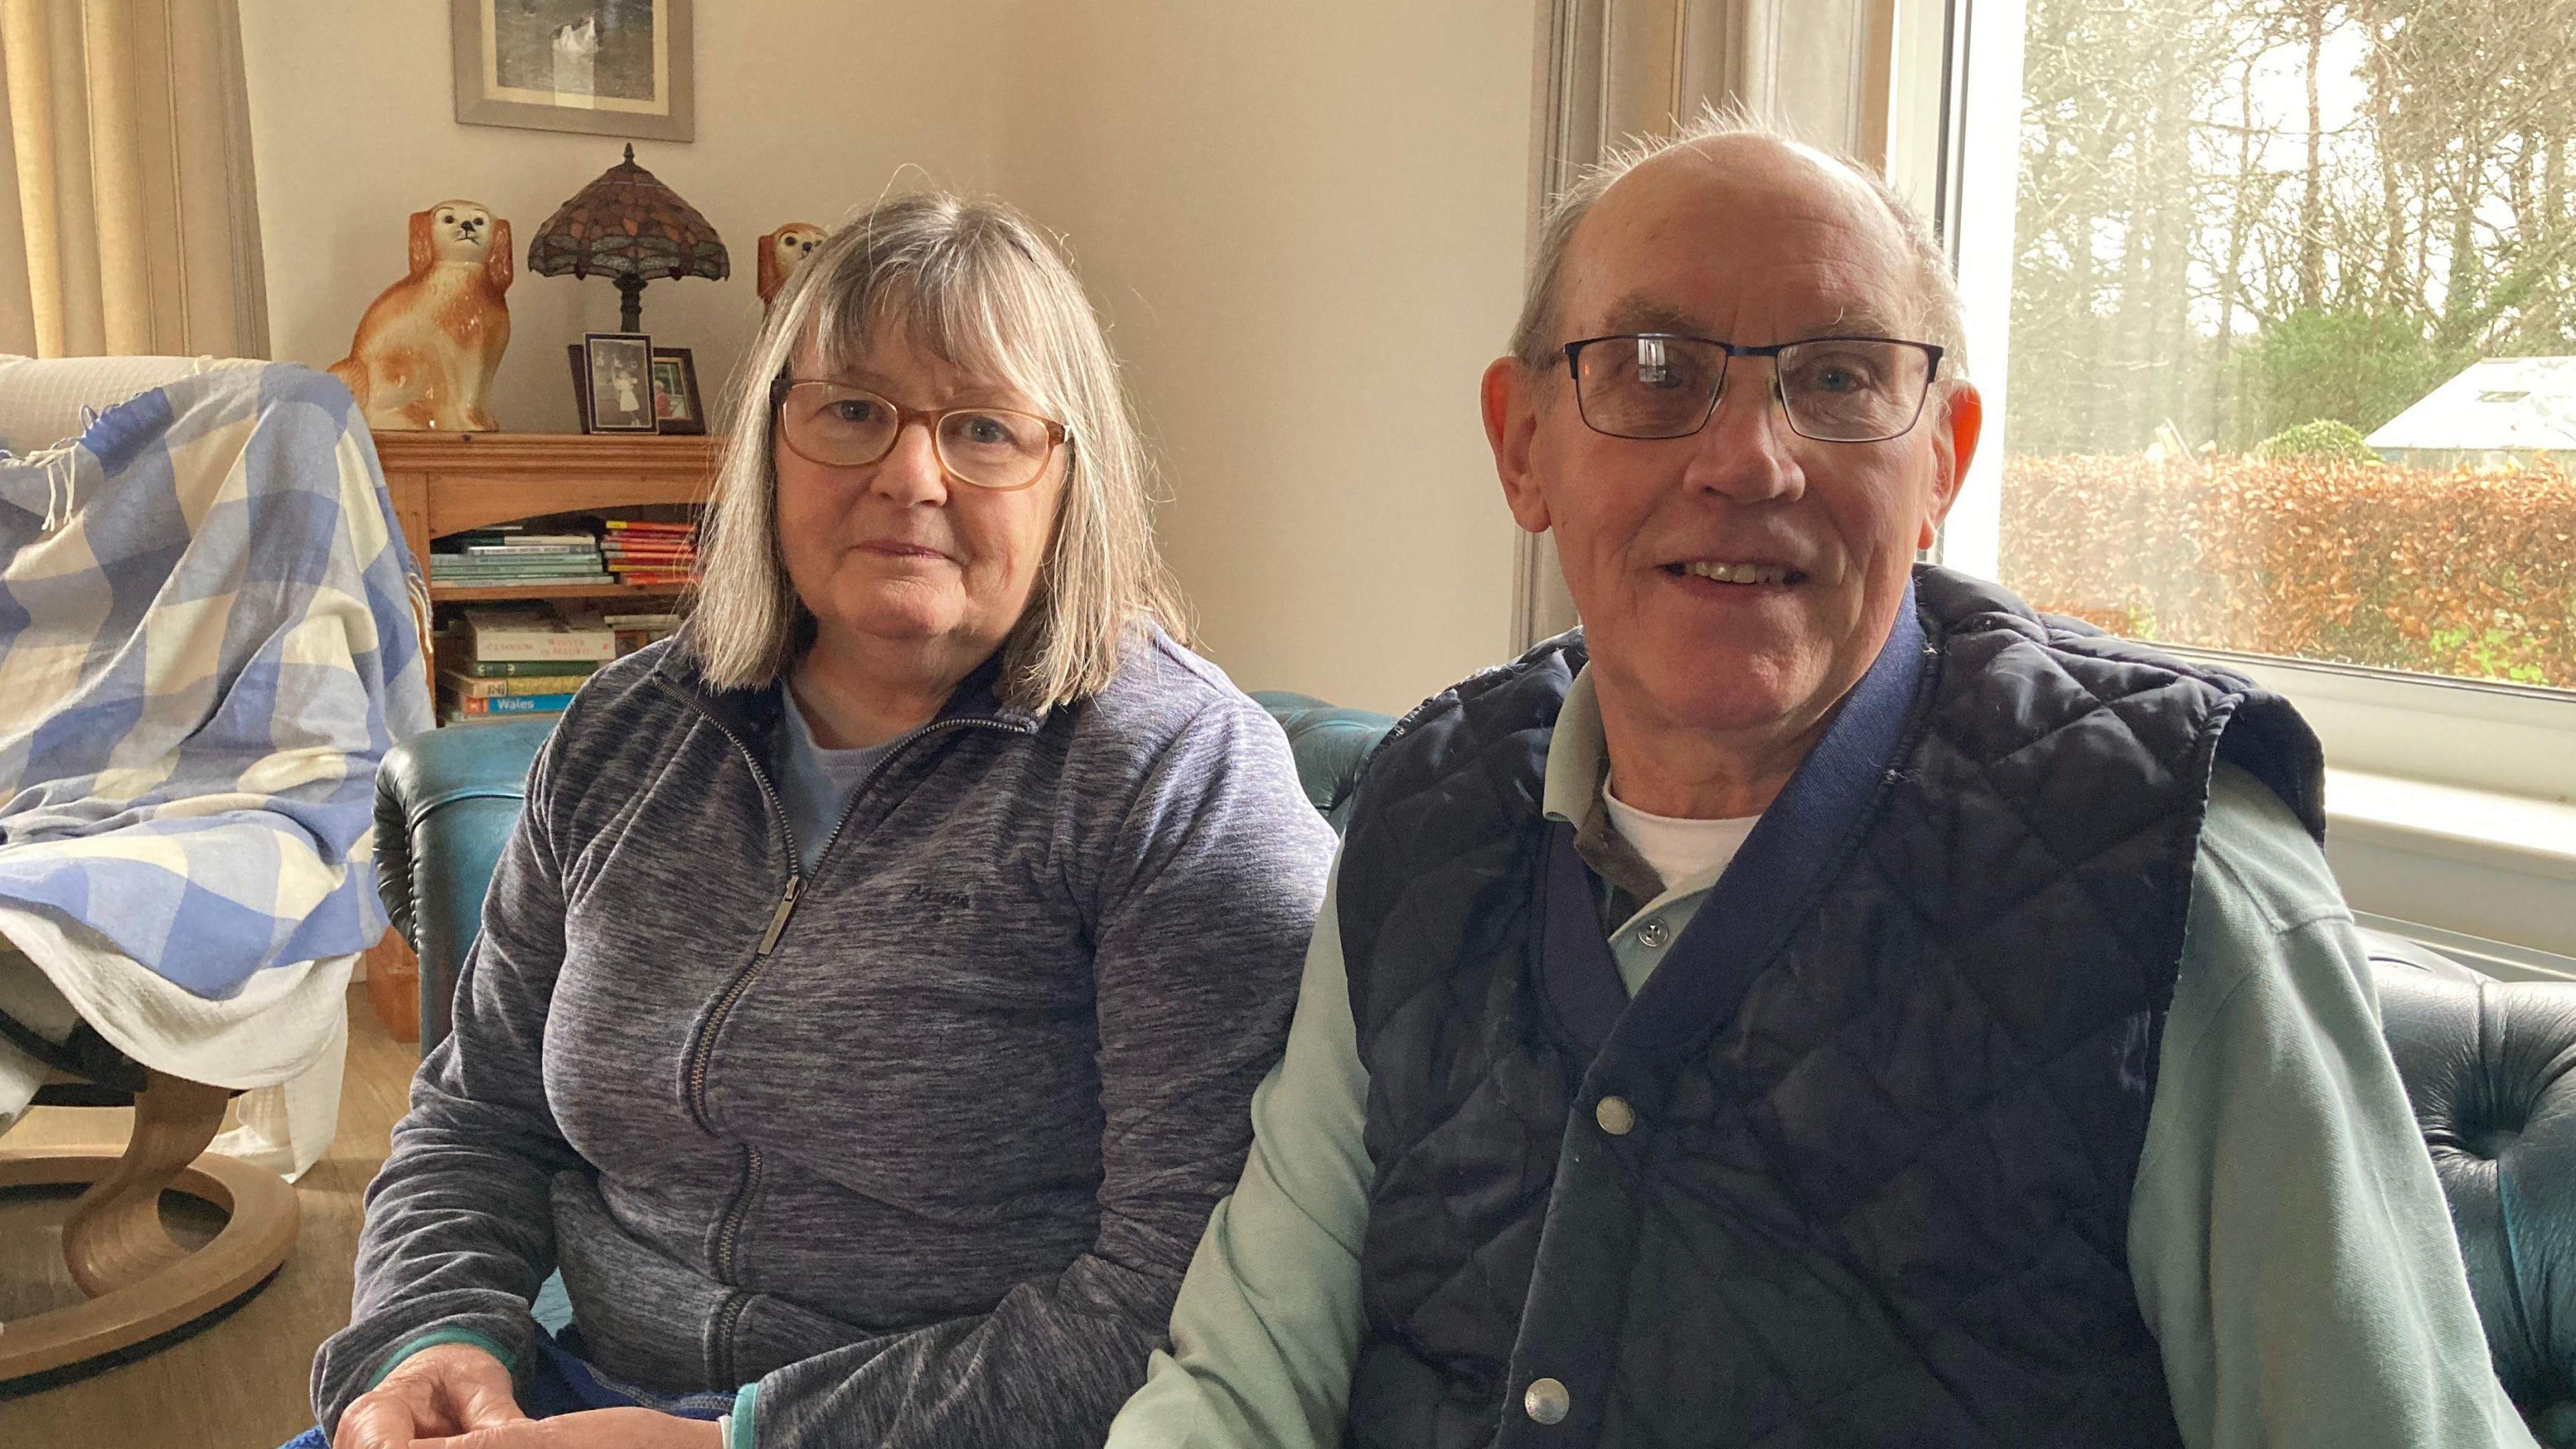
(2477,827)
(2484,875)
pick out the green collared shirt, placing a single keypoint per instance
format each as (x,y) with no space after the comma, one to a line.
(2289,1242)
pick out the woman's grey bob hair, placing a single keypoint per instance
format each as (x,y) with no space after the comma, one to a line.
(976,285)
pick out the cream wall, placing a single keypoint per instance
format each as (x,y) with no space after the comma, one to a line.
(800,116)
(1304,224)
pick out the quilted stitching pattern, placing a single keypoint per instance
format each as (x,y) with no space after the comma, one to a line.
(1887,1202)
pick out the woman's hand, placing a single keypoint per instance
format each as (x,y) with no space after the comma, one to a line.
(454,1388)
(598,1429)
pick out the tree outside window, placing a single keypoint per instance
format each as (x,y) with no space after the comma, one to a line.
(2294,329)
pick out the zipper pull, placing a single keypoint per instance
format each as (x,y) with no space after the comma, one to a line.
(778,918)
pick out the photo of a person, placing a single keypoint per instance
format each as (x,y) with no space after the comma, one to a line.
(622,377)
(621,390)
(670,391)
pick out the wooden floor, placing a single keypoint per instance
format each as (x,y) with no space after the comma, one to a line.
(240,1383)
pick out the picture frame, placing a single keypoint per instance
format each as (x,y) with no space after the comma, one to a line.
(598,67)
(677,407)
(614,383)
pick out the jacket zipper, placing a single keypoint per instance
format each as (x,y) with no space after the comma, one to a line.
(702,1048)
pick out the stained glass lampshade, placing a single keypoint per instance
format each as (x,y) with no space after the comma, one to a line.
(629,226)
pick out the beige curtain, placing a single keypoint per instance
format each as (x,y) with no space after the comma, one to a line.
(128,220)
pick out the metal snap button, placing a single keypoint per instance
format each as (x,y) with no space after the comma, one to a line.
(1615,1116)
(1547,1402)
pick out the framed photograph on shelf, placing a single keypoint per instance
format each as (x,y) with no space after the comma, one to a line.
(675,392)
(600,67)
(615,382)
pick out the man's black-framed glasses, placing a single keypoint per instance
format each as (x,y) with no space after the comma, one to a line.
(1831,389)
(841,426)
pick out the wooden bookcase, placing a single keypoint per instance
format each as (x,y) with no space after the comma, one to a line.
(443,483)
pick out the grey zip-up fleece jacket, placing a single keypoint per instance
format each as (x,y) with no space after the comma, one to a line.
(922,1142)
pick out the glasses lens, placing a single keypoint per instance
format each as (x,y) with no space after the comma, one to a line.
(1647,387)
(994,447)
(838,425)
(1841,390)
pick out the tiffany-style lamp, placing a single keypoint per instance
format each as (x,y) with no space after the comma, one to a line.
(630,226)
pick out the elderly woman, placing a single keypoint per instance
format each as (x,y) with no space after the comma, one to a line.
(867,1007)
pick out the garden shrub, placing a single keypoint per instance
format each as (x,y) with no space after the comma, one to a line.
(2461,572)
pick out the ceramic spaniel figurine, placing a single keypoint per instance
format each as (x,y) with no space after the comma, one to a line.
(427,346)
(782,252)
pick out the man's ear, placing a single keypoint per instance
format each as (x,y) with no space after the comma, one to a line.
(1510,398)
(1961,421)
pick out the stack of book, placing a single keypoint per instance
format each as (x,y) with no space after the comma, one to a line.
(497,557)
(634,631)
(639,552)
(512,662)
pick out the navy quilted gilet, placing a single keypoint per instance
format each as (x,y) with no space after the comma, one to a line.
(1889,1088)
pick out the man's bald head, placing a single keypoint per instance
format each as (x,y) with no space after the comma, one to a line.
(1744,154)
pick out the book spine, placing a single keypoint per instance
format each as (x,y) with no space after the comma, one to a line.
(521,550)
(471,686)
(531,668)
(449,563)
(515,704)
(454,717)
(555,648)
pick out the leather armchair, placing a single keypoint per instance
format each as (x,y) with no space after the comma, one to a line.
(446,802)
(2490,1066)
(1330,743)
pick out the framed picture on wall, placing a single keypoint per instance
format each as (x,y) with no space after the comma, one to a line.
(675,391)
(600,67)
(616,380)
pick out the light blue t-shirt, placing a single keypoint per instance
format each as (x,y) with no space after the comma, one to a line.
(815,784)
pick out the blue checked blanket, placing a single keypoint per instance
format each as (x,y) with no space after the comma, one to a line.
(207,642)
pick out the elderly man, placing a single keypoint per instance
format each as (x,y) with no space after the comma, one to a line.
(1822,1003)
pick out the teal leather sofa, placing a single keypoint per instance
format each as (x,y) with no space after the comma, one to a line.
(2491,1067)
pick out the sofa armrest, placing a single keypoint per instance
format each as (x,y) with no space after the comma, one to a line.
(1330,744)
(2491,1069)
(446,802)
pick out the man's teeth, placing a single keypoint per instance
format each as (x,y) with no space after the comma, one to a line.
(1738,573)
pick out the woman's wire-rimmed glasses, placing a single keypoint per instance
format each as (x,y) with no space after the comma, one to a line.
(841,426)
(1832,389)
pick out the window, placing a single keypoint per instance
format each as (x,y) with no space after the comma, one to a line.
(2275,302)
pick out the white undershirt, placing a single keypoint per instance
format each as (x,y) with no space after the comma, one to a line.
(1679,850)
